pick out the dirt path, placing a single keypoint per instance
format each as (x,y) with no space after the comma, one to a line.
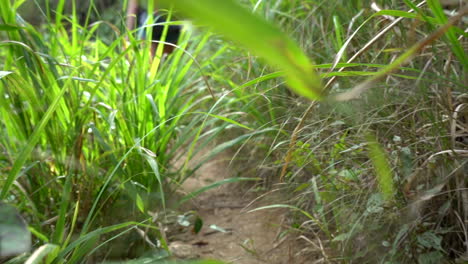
(249,237)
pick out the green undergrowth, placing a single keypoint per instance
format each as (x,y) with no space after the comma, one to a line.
(379,178)
(373,170)
(91,129)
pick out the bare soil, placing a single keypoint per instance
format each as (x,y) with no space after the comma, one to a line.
(248,237)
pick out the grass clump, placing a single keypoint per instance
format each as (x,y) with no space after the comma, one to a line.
(91,125)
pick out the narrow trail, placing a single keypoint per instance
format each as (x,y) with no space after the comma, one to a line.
(249,237)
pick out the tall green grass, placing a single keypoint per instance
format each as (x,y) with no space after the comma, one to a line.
(91,129)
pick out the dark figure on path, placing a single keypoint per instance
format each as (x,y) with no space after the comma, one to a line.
(137,15)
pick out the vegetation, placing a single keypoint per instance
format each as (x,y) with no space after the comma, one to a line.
(372,161)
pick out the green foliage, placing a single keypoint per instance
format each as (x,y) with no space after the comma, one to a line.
(260,37)
(89,127)
(92,126)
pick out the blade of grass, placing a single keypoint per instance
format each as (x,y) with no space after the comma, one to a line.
(260,37)
(39,254)
(211,186)
(455,44)
(401,60)
(315,220)
(223,118)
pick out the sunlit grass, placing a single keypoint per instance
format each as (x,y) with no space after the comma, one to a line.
(92,122)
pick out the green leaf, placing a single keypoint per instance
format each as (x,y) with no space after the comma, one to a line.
(211,186)
(430,240)
(260,37)
(197,226)
(302,187)
(434,257)
(226,119)
(18,3)
(155,167)
(77,79)
(455,45)
(342,237)
(6,27)
(38,234)
(262,78)
(40,253)
(140,204)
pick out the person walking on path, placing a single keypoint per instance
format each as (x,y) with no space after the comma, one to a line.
(137,17)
